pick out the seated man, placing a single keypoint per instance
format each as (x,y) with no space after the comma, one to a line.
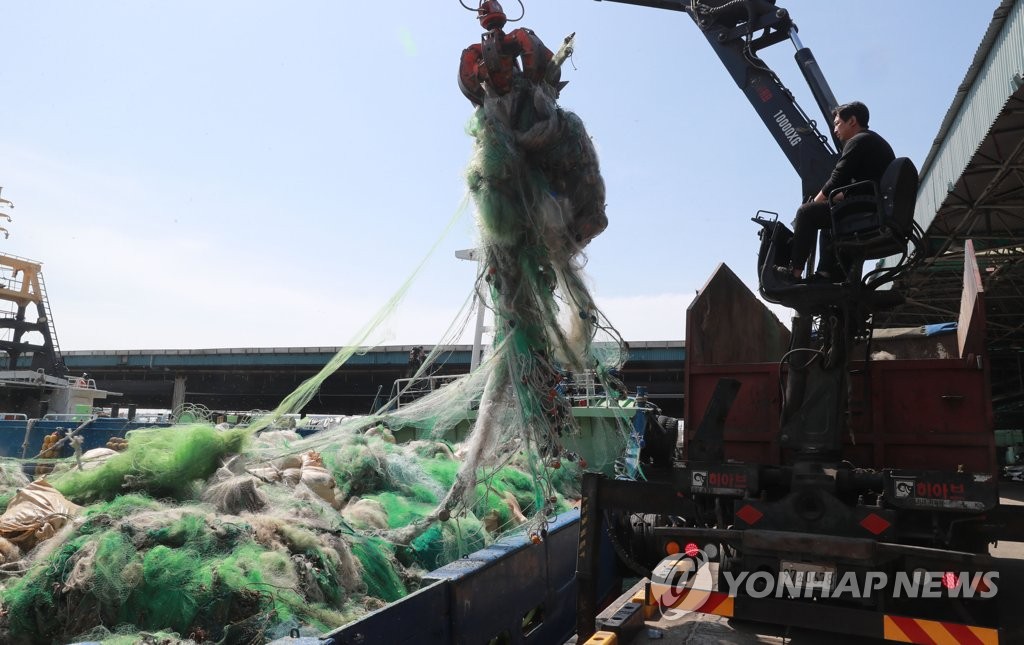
(865,156)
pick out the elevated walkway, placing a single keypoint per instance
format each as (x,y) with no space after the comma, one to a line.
(259,378)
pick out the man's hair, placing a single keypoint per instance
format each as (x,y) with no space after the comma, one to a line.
(855,108)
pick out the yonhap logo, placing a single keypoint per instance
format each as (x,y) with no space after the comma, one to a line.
(683,582)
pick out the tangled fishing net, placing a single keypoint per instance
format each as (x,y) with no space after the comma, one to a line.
(242,534)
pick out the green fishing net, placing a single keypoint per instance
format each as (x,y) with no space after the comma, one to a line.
(196,533)
(279,532)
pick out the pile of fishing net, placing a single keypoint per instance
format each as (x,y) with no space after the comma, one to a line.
(242,534)
(220,535)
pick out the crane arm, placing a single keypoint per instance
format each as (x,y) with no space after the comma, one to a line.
(737,30)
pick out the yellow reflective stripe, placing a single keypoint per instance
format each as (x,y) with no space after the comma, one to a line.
(985,635)
(727,608)
(931,632)
(937,632)
(892,632)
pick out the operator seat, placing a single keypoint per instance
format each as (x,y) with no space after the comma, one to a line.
(874,221)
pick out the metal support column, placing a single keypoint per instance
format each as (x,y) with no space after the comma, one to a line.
(178,398)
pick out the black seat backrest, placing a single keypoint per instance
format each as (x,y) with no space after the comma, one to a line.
(899,193)
(877,226)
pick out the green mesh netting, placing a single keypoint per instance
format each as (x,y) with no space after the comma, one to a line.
(161,462)
(197,533)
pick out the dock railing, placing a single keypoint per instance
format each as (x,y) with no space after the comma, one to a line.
(582,389)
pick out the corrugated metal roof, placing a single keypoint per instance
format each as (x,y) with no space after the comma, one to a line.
(989,83)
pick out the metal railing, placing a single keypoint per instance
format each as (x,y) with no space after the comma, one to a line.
(582,390)
(54,343)
(72,418)
(406,390)
(81,383)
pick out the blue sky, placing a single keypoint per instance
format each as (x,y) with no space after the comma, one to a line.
(232,174)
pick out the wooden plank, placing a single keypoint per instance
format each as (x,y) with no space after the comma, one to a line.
(970,330)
